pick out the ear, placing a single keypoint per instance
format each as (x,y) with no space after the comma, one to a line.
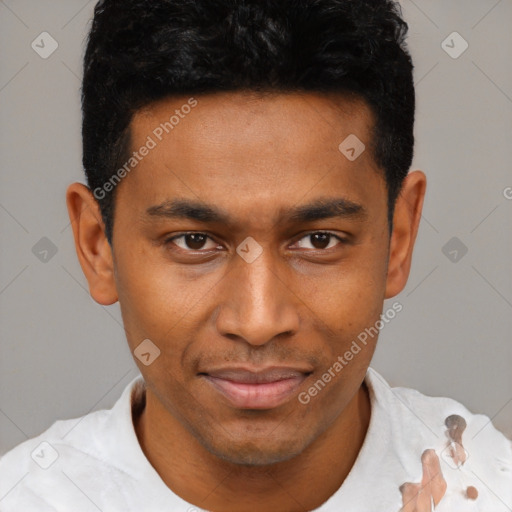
(91,244)
(406,221)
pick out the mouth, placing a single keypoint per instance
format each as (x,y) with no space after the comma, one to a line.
(257,389)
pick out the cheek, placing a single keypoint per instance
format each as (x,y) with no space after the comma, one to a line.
(148,295)
(348,296)
(159,303)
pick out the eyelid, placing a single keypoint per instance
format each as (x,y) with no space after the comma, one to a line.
(342,240)
(168,240)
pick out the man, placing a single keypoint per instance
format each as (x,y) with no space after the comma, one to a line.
(250,207)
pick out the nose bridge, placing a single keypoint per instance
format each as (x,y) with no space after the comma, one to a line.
(258,305)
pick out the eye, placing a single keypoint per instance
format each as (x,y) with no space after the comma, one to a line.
(321,240)
(192,242)
(189,242)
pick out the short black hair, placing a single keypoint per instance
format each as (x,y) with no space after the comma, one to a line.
(142,51)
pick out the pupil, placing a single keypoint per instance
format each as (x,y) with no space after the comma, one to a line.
(321,239)
(197,239)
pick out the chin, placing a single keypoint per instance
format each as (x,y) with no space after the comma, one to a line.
(256,453)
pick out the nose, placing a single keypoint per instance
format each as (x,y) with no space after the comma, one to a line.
(258,303)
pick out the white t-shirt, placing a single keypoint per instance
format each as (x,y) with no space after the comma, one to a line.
(95,462)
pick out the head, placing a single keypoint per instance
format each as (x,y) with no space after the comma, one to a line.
(265,209)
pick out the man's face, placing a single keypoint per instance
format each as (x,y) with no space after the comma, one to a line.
(222,308)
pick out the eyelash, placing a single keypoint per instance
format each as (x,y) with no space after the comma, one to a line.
(170,241)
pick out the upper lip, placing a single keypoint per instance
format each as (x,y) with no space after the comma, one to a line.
(257,375)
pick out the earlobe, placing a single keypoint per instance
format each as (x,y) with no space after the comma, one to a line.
(406,221)
(91,244)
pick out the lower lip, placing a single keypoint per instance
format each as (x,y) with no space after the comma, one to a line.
(257,396)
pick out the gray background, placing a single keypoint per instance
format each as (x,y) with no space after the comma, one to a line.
(63,355)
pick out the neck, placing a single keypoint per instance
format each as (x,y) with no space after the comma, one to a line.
(299,484)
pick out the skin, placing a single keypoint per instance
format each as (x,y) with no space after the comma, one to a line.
(456,425)
(430,491)
(300,303)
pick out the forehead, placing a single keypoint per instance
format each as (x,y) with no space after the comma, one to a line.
(232,116)
(252,149)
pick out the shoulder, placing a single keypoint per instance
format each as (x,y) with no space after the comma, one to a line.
(26,470)
(441,414)
(471,451)
(43,473)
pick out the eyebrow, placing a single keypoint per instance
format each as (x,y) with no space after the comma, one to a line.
(322,208)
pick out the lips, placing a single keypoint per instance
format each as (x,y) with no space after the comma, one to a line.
(256,388)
